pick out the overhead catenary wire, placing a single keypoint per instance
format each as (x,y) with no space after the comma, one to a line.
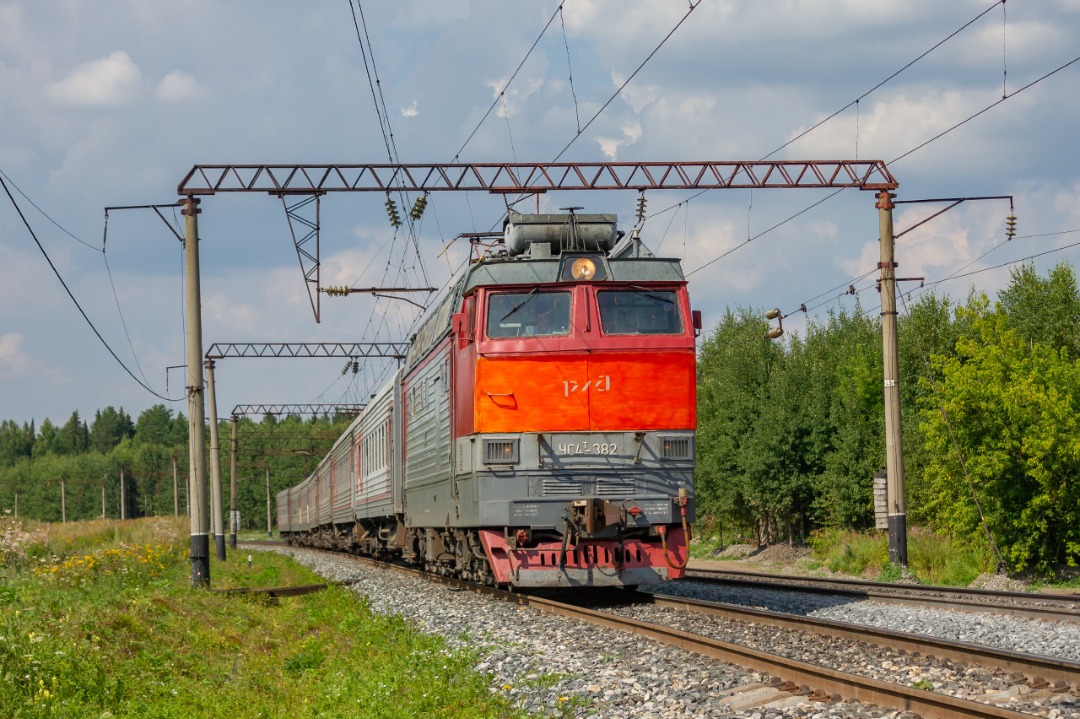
(379,101)
(922,145)
(401,268)
(582,128)
(956,276)
(989,107)
(499,95)
(855,103)
(618,91)
(108,269)
(569,68)
(120,311)
(82,312)
(46,215)
(891,77)
(806,307)
(1003,264)
(861,97)
(748,240)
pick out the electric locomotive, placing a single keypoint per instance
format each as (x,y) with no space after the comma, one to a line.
(541,430)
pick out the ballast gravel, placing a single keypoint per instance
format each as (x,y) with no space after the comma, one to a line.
(1030,636)
(559,667)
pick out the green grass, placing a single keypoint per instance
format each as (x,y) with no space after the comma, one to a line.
(932,559)
(108,626)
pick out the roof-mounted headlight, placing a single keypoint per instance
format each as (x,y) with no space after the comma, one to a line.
(582,269)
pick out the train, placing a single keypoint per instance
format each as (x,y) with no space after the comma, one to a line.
(540,432)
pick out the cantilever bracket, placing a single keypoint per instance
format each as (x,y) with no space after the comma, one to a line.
(309,226)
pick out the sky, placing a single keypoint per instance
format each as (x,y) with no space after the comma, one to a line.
(110,103)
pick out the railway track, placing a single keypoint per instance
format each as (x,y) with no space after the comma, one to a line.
(792,680)
(1032,605)
(1035,669)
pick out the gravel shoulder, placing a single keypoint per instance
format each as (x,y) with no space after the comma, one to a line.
(557,667)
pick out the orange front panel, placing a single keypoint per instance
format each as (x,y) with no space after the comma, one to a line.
(604,391)
(643,390)
(531,394)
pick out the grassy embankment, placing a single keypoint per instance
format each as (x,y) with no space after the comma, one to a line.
(97,619)
(932,559)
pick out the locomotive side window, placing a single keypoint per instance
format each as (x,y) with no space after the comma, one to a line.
(639,312)
(528,314)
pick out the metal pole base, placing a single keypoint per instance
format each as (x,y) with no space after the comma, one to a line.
(898,539)
(200,560)
(219,543)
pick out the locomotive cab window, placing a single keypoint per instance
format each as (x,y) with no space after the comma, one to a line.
(639,312)
(528,314)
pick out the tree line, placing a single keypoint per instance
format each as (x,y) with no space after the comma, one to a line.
(791,433)
(114,466)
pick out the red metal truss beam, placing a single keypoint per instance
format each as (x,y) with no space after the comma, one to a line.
(300,215)
(537,177)
(392,350)
(261,410)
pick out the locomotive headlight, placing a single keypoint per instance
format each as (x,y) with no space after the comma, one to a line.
(583,269)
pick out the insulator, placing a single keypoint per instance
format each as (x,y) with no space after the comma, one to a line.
(392,213)
(1010,227)
(346,367)
(418,207)
(641,207)
(333,291)
(774,333)
(355,366)
(773,313)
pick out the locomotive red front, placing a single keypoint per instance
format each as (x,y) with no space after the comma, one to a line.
(541,432)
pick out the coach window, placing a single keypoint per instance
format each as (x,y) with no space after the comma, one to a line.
(528,314)
(639,311)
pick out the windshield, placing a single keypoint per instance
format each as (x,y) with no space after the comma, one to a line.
(528,314)
(639,312)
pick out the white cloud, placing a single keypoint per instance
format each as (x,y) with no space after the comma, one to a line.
(114,80)
(410,111)
(610,146)
(178,86)
(12,360)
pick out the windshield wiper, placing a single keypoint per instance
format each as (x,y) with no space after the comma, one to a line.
(652,295)
(521,304)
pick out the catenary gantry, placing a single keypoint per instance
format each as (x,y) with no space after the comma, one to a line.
(309,182)
(311,179)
